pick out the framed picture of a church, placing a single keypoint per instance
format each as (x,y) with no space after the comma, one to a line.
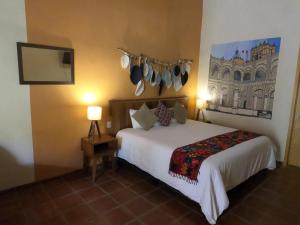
(242,77)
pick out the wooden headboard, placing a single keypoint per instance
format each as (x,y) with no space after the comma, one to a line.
(119,109)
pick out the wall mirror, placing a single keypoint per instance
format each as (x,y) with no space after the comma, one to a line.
(42,64)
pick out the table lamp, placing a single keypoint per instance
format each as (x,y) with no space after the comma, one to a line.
(94,114)
(201,105)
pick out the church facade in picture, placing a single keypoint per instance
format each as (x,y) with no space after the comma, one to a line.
(242,77)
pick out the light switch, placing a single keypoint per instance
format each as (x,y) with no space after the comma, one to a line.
(108,124)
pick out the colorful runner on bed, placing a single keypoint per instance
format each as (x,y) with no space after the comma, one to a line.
(186,161)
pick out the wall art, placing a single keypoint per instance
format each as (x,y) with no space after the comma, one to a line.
(242,77)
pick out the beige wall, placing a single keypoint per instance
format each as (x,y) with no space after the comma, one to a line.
(16,150)
(165,29)
(231,20)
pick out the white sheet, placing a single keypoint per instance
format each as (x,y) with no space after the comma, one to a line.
(151,151)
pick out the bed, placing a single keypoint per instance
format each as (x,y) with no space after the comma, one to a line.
(151,152)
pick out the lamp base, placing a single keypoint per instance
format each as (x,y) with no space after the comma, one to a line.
(203,116)
(94,127)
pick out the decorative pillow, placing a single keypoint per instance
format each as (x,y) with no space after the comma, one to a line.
(164,114)
(145,117)
(134,123)
(180,113)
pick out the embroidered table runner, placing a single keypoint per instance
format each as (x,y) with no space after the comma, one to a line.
(186,161)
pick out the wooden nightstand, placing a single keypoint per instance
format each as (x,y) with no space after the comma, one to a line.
(98,148)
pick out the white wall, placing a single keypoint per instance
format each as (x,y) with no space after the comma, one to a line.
(237,20)
(16,151)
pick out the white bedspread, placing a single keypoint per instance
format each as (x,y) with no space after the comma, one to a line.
(151,151)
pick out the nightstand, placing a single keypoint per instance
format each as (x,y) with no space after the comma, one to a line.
(98,148)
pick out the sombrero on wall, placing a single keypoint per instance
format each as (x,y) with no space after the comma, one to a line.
(153,79)
(177,70)
(135,74)
(139,88)
(177,83)
(125,61)
(149,74)
(184,78)
(167,78)
(156,73)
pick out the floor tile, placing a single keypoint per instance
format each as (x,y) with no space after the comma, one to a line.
(142,187)
(68,202)
(230,219)
(104,204)
(249,214)
(15,219)
(59,191)
(193,218)
(156,217)
(58,220)
(174,208)
(132,197)
(139,206)
(91,194)
(79,214)
(135,223)
(40,213)
(123,195)
(157,197)
(118,216)
(111,186)
(80,184)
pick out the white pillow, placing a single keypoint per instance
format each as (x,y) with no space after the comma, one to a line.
(134,123)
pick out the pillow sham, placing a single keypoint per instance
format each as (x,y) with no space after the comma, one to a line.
(164,114)
(180,113)
(134,123)
(145,117)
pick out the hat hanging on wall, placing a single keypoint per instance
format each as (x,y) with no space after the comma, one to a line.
(135,74)
(187,68)
(125,61)
(150,72)
(157,79)
(145,68)
(140,88)
(153,79)
(184,78)
(161,87)
(177,83)
(177,70)
(167,78)
(157,73)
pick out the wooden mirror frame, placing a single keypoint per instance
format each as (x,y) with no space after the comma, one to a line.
(20,63)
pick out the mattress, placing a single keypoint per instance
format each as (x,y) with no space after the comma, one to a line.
(151,151)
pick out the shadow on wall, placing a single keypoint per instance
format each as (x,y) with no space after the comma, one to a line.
(44,172)
(12,172)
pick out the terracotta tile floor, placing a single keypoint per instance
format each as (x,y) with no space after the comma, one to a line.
(131,197)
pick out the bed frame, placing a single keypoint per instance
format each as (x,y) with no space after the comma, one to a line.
(119,109)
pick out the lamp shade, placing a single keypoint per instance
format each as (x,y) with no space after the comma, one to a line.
(94,113)
(201,103)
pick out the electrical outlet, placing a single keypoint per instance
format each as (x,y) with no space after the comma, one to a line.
(298,117)
(108,124)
